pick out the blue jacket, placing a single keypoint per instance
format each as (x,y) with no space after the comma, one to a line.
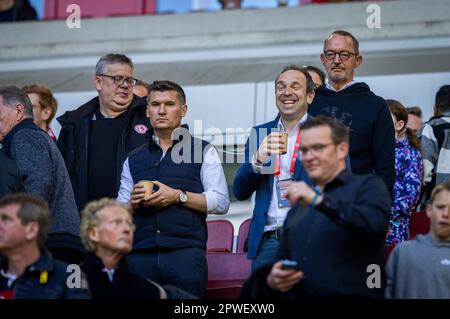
(246,182)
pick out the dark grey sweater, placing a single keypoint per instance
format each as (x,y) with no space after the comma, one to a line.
(419,268)
(44,173)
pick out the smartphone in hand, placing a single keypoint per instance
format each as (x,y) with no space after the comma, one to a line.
(289,264)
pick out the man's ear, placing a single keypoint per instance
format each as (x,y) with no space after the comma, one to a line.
(31,230)
(98,82)
(184,109)
(20,111)
(310,97)
(342,150)
(322,58)
(93,234)
(359,60)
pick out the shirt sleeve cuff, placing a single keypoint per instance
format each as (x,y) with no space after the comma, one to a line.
(214,205)
(329,207)
(256,167)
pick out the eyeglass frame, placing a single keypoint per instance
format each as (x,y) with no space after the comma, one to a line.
(124,79)
(339,54)
(316,152)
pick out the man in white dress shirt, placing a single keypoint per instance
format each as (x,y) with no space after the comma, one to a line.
(267,171)
(189,183)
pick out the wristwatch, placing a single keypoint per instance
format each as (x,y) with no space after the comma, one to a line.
(182,198)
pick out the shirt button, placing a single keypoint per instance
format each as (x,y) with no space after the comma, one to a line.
(158,231)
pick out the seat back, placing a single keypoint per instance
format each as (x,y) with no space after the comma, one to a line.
(227,273)
(220,236)
(243,235)
(419,223)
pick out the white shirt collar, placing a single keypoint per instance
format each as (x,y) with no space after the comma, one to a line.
(300,122)
(110,273)
(11,277)
(329,87)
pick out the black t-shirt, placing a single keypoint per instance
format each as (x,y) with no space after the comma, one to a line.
(104,137)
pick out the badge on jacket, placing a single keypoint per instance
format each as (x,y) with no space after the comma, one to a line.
(140,129)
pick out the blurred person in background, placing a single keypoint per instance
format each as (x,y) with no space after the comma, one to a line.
(107,230)
(435,142)
(317,75)
(44,106)
(409,173)
(27,269)
(141,89)
(414,118)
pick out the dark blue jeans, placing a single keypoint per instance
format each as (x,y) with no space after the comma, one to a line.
(267,253)
(185,268)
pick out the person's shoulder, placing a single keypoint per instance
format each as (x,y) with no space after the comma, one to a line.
(372,181)
(408,248)
(27,136)
(137,150)
(269,124)
(437,120)
(79,113)
(363,89)
(138,103)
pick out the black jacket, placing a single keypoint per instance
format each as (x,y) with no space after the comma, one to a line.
(10,181)
(335,242)
(35,284)
(125,285)
(372,135)
(73,142)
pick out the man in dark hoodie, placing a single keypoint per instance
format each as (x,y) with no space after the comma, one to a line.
(420,268)
(96,138)
(372,136)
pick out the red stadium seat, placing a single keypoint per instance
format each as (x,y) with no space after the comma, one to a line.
(242,235)
(220,236)
(226,274)
(418,224)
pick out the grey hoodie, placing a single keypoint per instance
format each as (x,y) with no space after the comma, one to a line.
(419,268)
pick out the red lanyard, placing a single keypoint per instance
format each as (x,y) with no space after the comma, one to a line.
(294,157)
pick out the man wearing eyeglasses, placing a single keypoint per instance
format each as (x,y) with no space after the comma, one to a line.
(96,138)
(372,136)
(335,232)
